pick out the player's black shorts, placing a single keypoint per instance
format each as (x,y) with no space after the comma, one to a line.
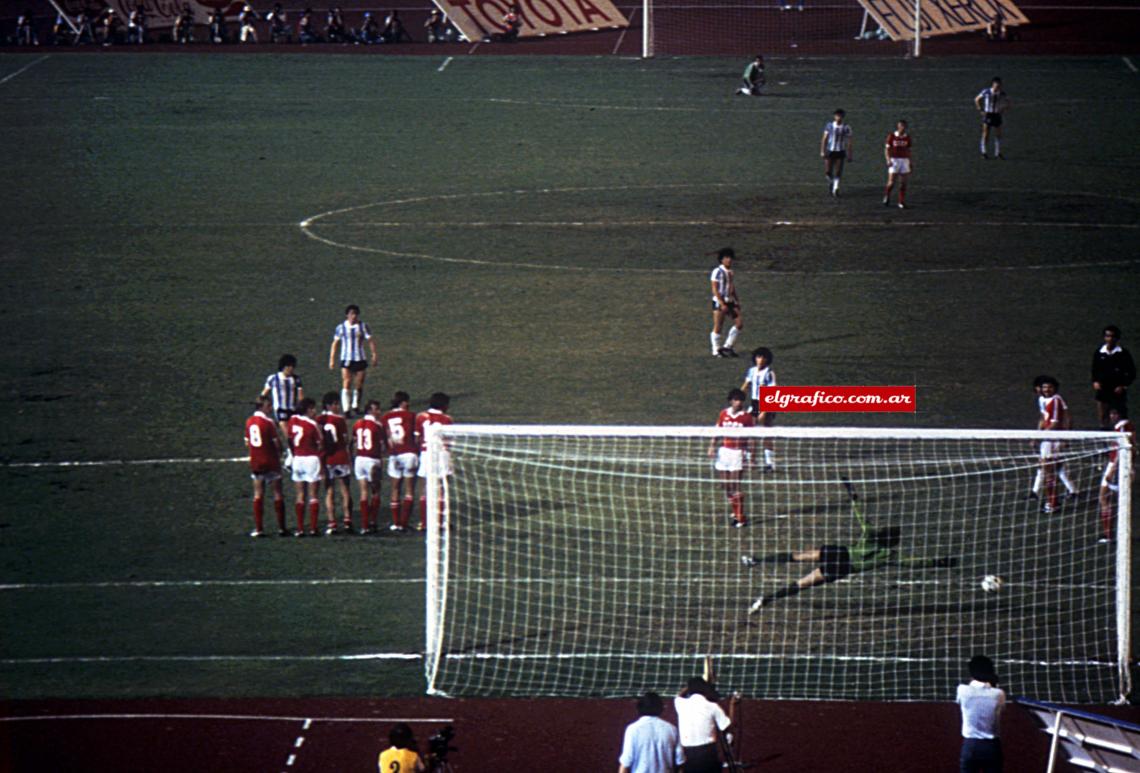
(834,562)
(355,366)
(732,309)
(284,414)
(837,155)
(769,417)
(992,119)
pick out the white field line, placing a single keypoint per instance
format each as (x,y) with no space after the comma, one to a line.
(221,718)
(446,62)
(179,584)
(123,462)
(1131,66)
(114,659)
(25,68)
(735,224)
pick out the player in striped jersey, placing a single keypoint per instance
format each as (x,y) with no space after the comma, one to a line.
(368,447)
(836,148)
(285,388)
(991,103)
(724,304)
(762,375)
(350,337)
(1109,483)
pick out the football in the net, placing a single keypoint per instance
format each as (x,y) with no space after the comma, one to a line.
(991,583)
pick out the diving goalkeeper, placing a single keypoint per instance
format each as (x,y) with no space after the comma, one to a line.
(873,549)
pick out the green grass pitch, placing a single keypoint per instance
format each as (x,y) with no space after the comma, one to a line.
(530,235)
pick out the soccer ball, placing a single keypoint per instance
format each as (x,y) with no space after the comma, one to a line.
(991,583)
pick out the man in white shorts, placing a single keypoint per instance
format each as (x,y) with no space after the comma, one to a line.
(732,455)
(368,463)
(438,405)
(403,455)
(1109,483)
(897,152)
(307,441)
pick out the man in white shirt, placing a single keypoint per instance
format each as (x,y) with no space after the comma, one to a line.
(650,745)
(981,702)
(699,719)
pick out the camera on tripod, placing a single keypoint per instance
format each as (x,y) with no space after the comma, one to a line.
(439,745)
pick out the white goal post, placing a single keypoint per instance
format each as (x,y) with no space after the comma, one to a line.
(604,561)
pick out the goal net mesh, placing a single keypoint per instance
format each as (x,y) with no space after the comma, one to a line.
(590,564)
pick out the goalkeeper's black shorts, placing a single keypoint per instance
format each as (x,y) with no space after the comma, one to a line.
(834,562)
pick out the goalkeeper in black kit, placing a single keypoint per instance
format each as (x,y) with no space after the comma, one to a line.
(873,549)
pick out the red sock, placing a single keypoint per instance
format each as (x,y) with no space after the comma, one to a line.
(738,507)
(423,511)
(314,514)
(348,513)
(279,511)
(258,512)
(365,512)
(902,194)
(300,508)
(406,511)
(887,192)
(1106,520)
(395,507)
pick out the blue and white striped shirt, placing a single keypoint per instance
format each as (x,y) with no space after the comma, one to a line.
(352,338)
(838,135)
(724,281)
(284,390)
(992,101)
(759,377)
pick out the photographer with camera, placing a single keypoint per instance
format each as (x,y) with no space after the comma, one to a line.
(438,747)
(699,721)
(401,757)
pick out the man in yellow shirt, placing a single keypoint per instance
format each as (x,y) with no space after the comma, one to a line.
(401,757)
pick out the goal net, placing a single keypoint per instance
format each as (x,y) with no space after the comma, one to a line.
(604,561)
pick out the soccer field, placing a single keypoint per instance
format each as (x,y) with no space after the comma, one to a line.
(530,235)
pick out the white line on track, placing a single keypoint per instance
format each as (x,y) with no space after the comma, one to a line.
(25,68)
(446,62)
(223,718)
(1131,66)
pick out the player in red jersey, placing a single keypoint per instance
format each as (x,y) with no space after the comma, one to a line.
(306,440)
(1109,484)
(336,463)
(368,439)
(400,438)
(733,455)
(1054,416)
(264,464)
(435,414)
(897,153)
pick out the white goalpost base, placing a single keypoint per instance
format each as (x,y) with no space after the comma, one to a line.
(602,561)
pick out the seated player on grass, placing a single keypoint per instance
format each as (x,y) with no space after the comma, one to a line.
(873,549)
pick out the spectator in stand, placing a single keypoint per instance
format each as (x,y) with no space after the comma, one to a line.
(511,23)
(369,32)
(335,31)
(183,31)
(109,27)
(82,34)
(248,21)
(434,26)
(136,26)
(26,30)
(60,31)
(996,29)
(650,745)
(218,32)
(393,31)
(981,702)
(306,29)
(1113,371)
(278,25)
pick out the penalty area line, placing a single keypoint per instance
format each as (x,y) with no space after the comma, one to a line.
(124,462)
(1131,66)
(25,68)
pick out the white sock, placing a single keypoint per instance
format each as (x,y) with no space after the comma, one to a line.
(997,147)
(982,145)
(715,338)
(1038,481)
(769,457)
(355,399)
(731,339)
(834,183)
(1068,484)
(345,405)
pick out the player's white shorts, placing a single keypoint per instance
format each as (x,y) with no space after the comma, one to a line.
(899,166)
(367,468)
(1050,448)
(402,465)
(729,459)
(444,464)
(306,469)
(338,470)
(266,477)
(1108,480)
